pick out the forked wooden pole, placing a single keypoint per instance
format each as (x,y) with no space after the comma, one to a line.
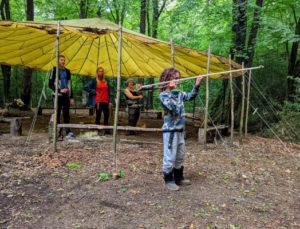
(56,90)
(248,102)
(206,97)
(243,104)
(117,98)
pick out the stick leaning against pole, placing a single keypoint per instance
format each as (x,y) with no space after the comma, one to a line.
(56,89)
(117,99)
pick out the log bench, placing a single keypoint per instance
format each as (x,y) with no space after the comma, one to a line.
(213,133)
(15,125)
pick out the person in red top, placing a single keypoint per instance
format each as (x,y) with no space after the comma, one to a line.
(100,88)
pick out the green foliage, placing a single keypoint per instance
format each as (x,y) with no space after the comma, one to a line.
(121,174)
(194,24)
(73,165)
(288,127)
(104,176)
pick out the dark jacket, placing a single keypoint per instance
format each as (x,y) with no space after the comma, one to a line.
(52,82)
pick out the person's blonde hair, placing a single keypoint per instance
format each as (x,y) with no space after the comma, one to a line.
(97,73)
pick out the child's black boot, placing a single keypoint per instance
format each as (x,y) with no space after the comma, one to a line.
(169,182)
(179,178)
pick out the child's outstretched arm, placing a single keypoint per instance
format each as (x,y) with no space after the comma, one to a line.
(187,96)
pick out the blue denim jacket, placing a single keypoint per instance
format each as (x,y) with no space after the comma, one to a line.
(173,103)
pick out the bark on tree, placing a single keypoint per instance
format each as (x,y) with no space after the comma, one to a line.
(27,79)
(117,11)
(143,15)
(294,64)
(156,12)
(83,8)
(241,50)
(6,70)
(253,33)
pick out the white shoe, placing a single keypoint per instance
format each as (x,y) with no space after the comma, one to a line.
(70,136)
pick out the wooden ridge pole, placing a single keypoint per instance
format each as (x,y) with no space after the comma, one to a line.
(206,97)
(56,89)
(118,97)
(243,103)
(232,102)
(248,102)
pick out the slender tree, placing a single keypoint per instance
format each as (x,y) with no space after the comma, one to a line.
(294,62)
(27,79)
(157,9)
(143,16)
(242,50)
(117,10)
(6,70)
(83,8)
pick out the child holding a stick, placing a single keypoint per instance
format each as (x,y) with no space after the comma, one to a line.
(173,127)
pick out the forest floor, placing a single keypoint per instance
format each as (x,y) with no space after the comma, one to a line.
(253,184)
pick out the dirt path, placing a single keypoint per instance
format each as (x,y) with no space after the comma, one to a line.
(254,185)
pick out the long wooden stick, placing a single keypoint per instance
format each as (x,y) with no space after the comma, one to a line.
(243,103)
(206,97)
(56,90)
(232,102)
(248,102)
(150,86)
(118,96)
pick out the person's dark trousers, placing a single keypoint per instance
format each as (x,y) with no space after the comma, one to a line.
(102,107)
(91,111)
(133,117)
(63,104)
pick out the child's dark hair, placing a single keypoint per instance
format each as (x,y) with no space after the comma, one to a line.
(168,75)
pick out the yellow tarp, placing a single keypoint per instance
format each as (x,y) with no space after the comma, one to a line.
(88,43)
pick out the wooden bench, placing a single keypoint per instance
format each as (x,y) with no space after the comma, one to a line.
(15,125)
(213,133)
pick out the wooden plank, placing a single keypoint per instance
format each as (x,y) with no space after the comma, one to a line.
(102,127)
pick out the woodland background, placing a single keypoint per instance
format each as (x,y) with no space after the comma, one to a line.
(256,32)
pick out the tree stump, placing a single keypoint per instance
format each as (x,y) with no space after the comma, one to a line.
(16,127)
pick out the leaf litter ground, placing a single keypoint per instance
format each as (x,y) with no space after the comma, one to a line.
(251,185)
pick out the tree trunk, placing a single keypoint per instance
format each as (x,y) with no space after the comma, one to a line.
(27,79)
(293,64)
(155,17)
(143,15)
(253,33)
(83,9)
(6,70)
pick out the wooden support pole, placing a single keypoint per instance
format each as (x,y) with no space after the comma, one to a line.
(117,97)
(56,90)
(232,101)
(206,97)
(243,103)
(248,102)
